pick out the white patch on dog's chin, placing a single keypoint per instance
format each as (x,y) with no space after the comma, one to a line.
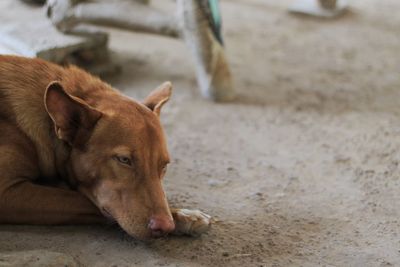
(136,229)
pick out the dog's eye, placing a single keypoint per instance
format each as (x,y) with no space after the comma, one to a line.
(124,160)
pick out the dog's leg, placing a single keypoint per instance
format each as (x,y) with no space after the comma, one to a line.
(27,203)
(22,201)
(190,222)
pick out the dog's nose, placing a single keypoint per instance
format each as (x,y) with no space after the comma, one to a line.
(160,226)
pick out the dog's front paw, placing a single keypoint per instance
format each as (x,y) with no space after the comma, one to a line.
(191,222)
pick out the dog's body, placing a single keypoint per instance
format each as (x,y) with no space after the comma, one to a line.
(62,124)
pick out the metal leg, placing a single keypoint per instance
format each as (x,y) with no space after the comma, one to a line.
(320,8)
(328,4)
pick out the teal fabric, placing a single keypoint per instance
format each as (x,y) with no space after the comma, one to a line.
(216,19)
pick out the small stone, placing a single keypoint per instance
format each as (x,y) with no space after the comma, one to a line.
(213,182)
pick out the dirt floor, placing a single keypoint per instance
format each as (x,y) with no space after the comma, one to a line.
(301,170)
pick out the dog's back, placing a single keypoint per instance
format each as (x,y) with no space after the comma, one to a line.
(22,86)
(23,83)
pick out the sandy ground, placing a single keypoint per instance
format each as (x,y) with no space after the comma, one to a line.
(301,170)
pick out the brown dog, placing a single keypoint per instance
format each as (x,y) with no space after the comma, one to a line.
(62,124)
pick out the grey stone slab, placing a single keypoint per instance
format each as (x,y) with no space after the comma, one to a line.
(41,39)
(29,33)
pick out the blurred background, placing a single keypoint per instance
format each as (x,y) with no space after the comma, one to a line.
(300,167)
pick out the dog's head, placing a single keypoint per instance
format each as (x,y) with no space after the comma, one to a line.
(118,155)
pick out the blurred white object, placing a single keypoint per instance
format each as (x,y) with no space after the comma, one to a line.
(198,23)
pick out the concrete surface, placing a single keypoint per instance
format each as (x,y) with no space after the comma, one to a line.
(302,170)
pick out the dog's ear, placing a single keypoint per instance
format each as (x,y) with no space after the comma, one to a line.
(73,118)
(158,97)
